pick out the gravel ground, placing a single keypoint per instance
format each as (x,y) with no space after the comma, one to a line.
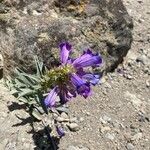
(116,117)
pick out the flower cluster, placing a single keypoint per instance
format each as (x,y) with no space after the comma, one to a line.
(70,78)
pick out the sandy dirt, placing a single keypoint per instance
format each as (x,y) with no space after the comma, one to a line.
(116,117)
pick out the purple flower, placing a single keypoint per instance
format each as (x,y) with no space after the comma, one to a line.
(88,77)
(51,97)
(66,94)
(92,78)
(65,49)
(87,59)
(60,131)
(71,78)
(82,87)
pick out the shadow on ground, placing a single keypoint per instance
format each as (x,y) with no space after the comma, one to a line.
(42,138)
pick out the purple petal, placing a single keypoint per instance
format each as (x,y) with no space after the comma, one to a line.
(84,90)
(82,87)
(66,94)
(51,97)
(60,131)
(65,49)
(77,81)
(92,78)
(63,98)
(87,59)
(89,77)
(80,72)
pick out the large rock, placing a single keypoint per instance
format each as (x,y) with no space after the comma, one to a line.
(29,28)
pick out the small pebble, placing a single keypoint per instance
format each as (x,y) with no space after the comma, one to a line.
(81,119)
(64,115)
(147,83)
(26,145)
(104,129)
(143,118)
(74,127)
(130,146)
(128,76)
(88,113)
(103,80)
(137,137)
(110,136)
(74,119)
(71,147)
(143,59)
(60,119)
(36,13)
